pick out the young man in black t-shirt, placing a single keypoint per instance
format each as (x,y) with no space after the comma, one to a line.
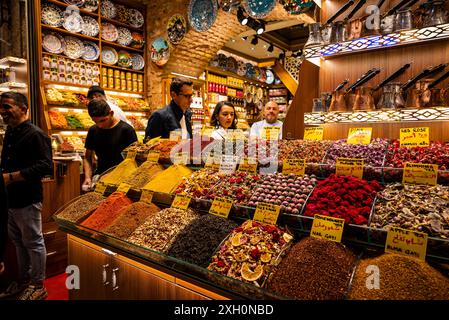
(107,138)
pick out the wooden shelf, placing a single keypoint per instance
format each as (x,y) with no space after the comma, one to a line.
(118,46)
(66,32)
(230,74)
(83,11)
(46,82)
(121,24)
(121,68)
(65,57)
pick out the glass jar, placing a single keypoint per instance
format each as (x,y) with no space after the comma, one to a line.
(435,14)
(403,20)
(314,35)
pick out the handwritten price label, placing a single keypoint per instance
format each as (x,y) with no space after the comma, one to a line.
(123,187)
(350,167)
(406,242)
(248,165)
(181,202)
(221,207)
(271,133)
(153,156)
(295,166)
(359,135)
(327,228)
(267,213)
(420,173)
(131,155)
(212,163)
(181,158)
(146,196)
(207,131)
(414,137)
(228,164)
(100,187)
(313,133)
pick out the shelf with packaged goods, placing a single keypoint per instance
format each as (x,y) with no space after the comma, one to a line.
(122,69)
(9,85)
(376,42)
(115,45)
(230,74)
(12,61)
(121,24)
(97,62)
(81,10)
(66,108)
(84,88)
(68,33)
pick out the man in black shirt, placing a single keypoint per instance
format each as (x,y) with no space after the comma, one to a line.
(175,116)
(107,138)
(26,159)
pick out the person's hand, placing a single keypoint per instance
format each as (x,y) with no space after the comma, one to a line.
(2,268)
(87,184)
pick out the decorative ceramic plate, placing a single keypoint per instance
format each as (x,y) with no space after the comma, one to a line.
(222,61)
(77,3)
(91,51)
(51,15)
(231,64)
(258,8)
(135,18)
(277,80)
(53,42)
(122,13)
(73,23)
(249,97)
(259,93)
(214,61)
(90,5)
(202,14)
(108,9)
(137,61)
(250,71)
(90,27)
(124,36)
(109,56)
(241,68)
(256,72)
(160,51)
(252,89)
(124,59)
(109,32)
(229,5)
(74,47)
(138,41)
(256,99)
(270,77)
(176,28)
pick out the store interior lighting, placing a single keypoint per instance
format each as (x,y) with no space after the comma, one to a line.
(241,17)
(261,28)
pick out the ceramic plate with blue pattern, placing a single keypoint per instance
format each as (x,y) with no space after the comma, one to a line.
(202,14)
(250,72)
(258,8)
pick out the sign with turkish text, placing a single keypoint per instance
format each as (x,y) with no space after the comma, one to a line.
(153,156)
(228,164)
(313,133)
(100,187)
(221,207)
(181,202)
(406,242)
(327,228)
(295,166)
(350,167)
(420,173)
(414,137)
(271,133)
(248,165)
(181,158)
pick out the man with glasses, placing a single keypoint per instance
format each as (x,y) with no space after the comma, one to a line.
(107,138)
(176,116)
(26,159)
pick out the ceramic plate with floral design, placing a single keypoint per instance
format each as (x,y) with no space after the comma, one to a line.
(73,23)
(90,27)
(109,56)
(53,42)
(51,15)
(90,5)
(137,61)
(202,14)
(74,47)
(176,28)
(124,36)
(109,32)
(258,8)
(160,51)
(108,9)
(135,18)
(124,59)
(91,51)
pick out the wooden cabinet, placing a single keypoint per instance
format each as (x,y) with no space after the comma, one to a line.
(105,274)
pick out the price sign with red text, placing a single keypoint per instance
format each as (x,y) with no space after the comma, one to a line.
(295,166)
(181,202)
(414,137)
(420,173)
(267,213)
(313,133)
(221,207)
(350,167)
(359,135)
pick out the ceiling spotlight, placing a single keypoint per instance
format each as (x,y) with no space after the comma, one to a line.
(241,17)
(255,41)
(260,28)
(270,48)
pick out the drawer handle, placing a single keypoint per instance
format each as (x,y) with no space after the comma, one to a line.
(114,279)
(109,252)
(51,253)
(48,233)
(105,274)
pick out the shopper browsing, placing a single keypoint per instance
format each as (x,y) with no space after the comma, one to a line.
(96,92)
(270,114)
(26,159)
(223,118)
(107,139)
(176,116)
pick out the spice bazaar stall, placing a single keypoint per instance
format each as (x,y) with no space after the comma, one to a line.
(279,219)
